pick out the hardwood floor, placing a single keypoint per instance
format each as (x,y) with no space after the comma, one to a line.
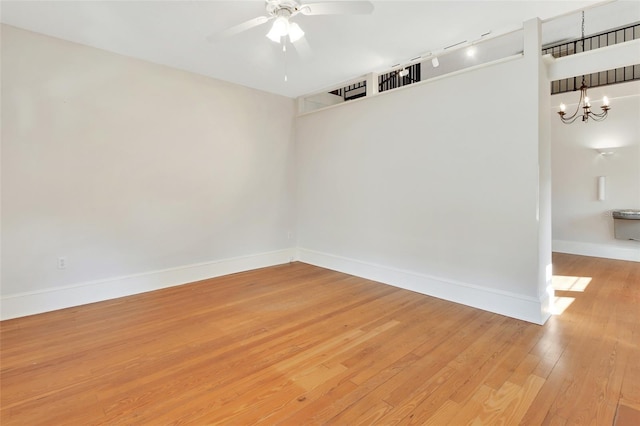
(296,344)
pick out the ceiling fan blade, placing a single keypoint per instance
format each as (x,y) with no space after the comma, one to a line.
(337,8)
(237,29)
(302,48)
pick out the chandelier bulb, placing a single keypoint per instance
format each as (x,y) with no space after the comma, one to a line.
(563,107)
(605,101)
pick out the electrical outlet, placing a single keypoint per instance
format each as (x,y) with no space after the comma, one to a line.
(62,262)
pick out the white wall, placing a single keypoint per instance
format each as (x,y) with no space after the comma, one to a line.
(143,177)
(134,172)
(581,223)
(433,187)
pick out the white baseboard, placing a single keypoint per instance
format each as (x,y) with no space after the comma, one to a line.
(501,302)
(628,250)
(23,304)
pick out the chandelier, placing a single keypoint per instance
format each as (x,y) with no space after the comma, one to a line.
(584,103)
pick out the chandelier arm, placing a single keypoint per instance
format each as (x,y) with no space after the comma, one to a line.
(569,120)
(571,117)
(602,115)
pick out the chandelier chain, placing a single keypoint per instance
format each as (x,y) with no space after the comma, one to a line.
(582,39)
(584,103)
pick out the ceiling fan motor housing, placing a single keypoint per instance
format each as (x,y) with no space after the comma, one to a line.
(282,8)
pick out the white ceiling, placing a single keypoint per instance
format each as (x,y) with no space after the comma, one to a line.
(174,33)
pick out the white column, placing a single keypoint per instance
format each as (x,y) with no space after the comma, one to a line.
(372,84)
(539,92)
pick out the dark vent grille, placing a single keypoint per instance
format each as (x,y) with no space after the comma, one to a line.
(353,91)
(393,80)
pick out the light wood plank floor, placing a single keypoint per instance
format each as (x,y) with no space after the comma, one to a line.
(296,344)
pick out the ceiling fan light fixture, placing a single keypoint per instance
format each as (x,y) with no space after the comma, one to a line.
(280,28)
(295,32)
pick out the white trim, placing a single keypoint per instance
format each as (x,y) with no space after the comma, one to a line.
(35,302)
(407,87)
(608,251)
(514,305)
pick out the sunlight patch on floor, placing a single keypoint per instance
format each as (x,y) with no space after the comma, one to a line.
(566,283)
(560,304)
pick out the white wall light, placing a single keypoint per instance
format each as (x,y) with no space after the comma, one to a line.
(605,152)
(602,182)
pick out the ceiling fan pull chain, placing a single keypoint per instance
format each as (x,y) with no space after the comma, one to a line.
(284,53)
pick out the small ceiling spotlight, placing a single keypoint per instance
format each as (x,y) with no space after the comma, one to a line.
(471,52)
(435,62)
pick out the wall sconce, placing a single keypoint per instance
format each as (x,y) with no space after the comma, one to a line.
(602,182)
(606,152)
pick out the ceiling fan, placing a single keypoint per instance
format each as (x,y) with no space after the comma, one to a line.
(282,11)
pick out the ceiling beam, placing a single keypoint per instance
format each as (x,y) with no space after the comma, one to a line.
(597,60)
